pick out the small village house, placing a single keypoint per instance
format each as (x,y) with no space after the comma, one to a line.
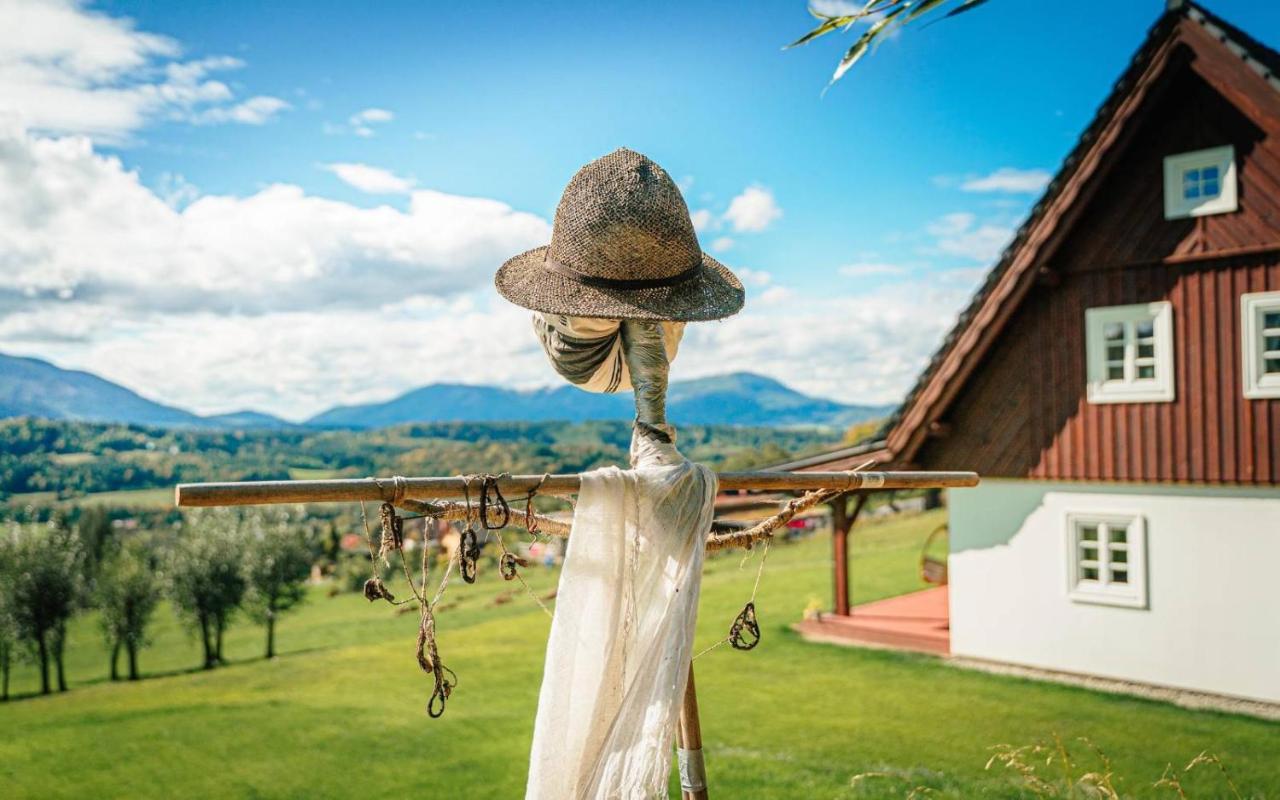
(1116,382)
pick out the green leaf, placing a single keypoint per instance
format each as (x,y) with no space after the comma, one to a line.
(830,24)
(922,8)
(967,5)
(859,48)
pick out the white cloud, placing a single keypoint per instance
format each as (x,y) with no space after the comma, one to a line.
(866,269)
(753,210)
(67,69)
(886,336)
(292,303)
(722,244)
(76,222)
(753,277)
(1009,180)
(371,180)
(362,122)
(703,220)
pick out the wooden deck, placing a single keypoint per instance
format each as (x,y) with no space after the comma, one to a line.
(919,622)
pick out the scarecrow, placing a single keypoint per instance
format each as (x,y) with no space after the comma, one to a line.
(611,295)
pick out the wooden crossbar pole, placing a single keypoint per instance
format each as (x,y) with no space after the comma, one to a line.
(392,489)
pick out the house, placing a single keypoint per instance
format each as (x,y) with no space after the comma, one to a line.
(1116,382)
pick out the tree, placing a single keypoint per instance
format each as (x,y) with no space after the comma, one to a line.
(127,593)
(205,579)
(276,566)
(882,17)
(8,626)
(45,587)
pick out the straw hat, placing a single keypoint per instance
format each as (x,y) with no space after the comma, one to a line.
(622,247)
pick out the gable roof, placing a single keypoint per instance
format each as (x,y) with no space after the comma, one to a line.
(1007,283)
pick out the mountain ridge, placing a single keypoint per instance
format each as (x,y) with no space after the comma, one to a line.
(37,388)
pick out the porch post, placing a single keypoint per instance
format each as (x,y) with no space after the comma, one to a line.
(841,522)
(840,552)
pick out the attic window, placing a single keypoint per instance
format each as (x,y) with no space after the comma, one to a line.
(1130,353)
(1260,329)
(1200,183)
(1106,557)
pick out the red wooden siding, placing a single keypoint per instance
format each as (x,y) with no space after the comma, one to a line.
(1022,412)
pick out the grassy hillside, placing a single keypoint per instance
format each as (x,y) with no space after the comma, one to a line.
(340,714)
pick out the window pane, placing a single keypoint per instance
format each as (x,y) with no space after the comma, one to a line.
(1209,174)
(1271,365)
(1147,350)
(1146,372)
(1271,319)
(1119,556)
(1209,189)
(1191,191)
(1115,373)
(1089,574)
(1118,535)
(1190,176)
(1145,329)
(1115,352)
(1271,343)
(1119,576)
(1088,533)
(1114,331)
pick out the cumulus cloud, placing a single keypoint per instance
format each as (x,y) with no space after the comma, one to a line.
(1010,181)
(722,244)
(371,180)
(752,211)
(703,220)
(66,69)
(76,223)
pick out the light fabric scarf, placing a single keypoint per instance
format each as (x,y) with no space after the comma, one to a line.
(620,645)
(588,352)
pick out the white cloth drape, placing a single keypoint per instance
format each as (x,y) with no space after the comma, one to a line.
(618,656)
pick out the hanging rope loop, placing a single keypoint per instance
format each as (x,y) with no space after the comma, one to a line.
(746,623)
(468,555)
(491,495)
(507,566)
(530,519)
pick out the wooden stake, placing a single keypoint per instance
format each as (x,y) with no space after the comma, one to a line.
(693,773)
(514,486)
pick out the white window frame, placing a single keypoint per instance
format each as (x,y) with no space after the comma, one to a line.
(1257,383)
(1103,590)
(1130,389)
(1178,207)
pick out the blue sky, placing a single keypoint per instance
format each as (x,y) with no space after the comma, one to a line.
(293,176)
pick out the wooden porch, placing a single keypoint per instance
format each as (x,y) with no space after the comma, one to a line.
(918,622)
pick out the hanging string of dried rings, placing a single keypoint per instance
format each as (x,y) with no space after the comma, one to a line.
(490,515)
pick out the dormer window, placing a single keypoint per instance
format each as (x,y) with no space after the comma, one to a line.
(1200,183)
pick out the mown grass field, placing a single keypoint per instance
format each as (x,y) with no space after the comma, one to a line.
(340,713)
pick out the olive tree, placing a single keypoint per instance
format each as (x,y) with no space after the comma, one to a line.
(45,588)
(206,582)
(276,566)
(8,627)
(127,593)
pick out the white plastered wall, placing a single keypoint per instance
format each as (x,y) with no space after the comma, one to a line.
(1212,621)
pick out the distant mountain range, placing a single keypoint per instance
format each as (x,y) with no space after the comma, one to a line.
(31,387)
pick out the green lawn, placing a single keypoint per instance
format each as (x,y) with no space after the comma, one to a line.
(340,713)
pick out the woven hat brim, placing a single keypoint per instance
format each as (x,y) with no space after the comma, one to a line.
(714,293)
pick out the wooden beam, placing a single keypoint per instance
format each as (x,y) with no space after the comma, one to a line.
(513,486)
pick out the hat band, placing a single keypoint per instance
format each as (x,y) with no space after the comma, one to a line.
(622,283)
